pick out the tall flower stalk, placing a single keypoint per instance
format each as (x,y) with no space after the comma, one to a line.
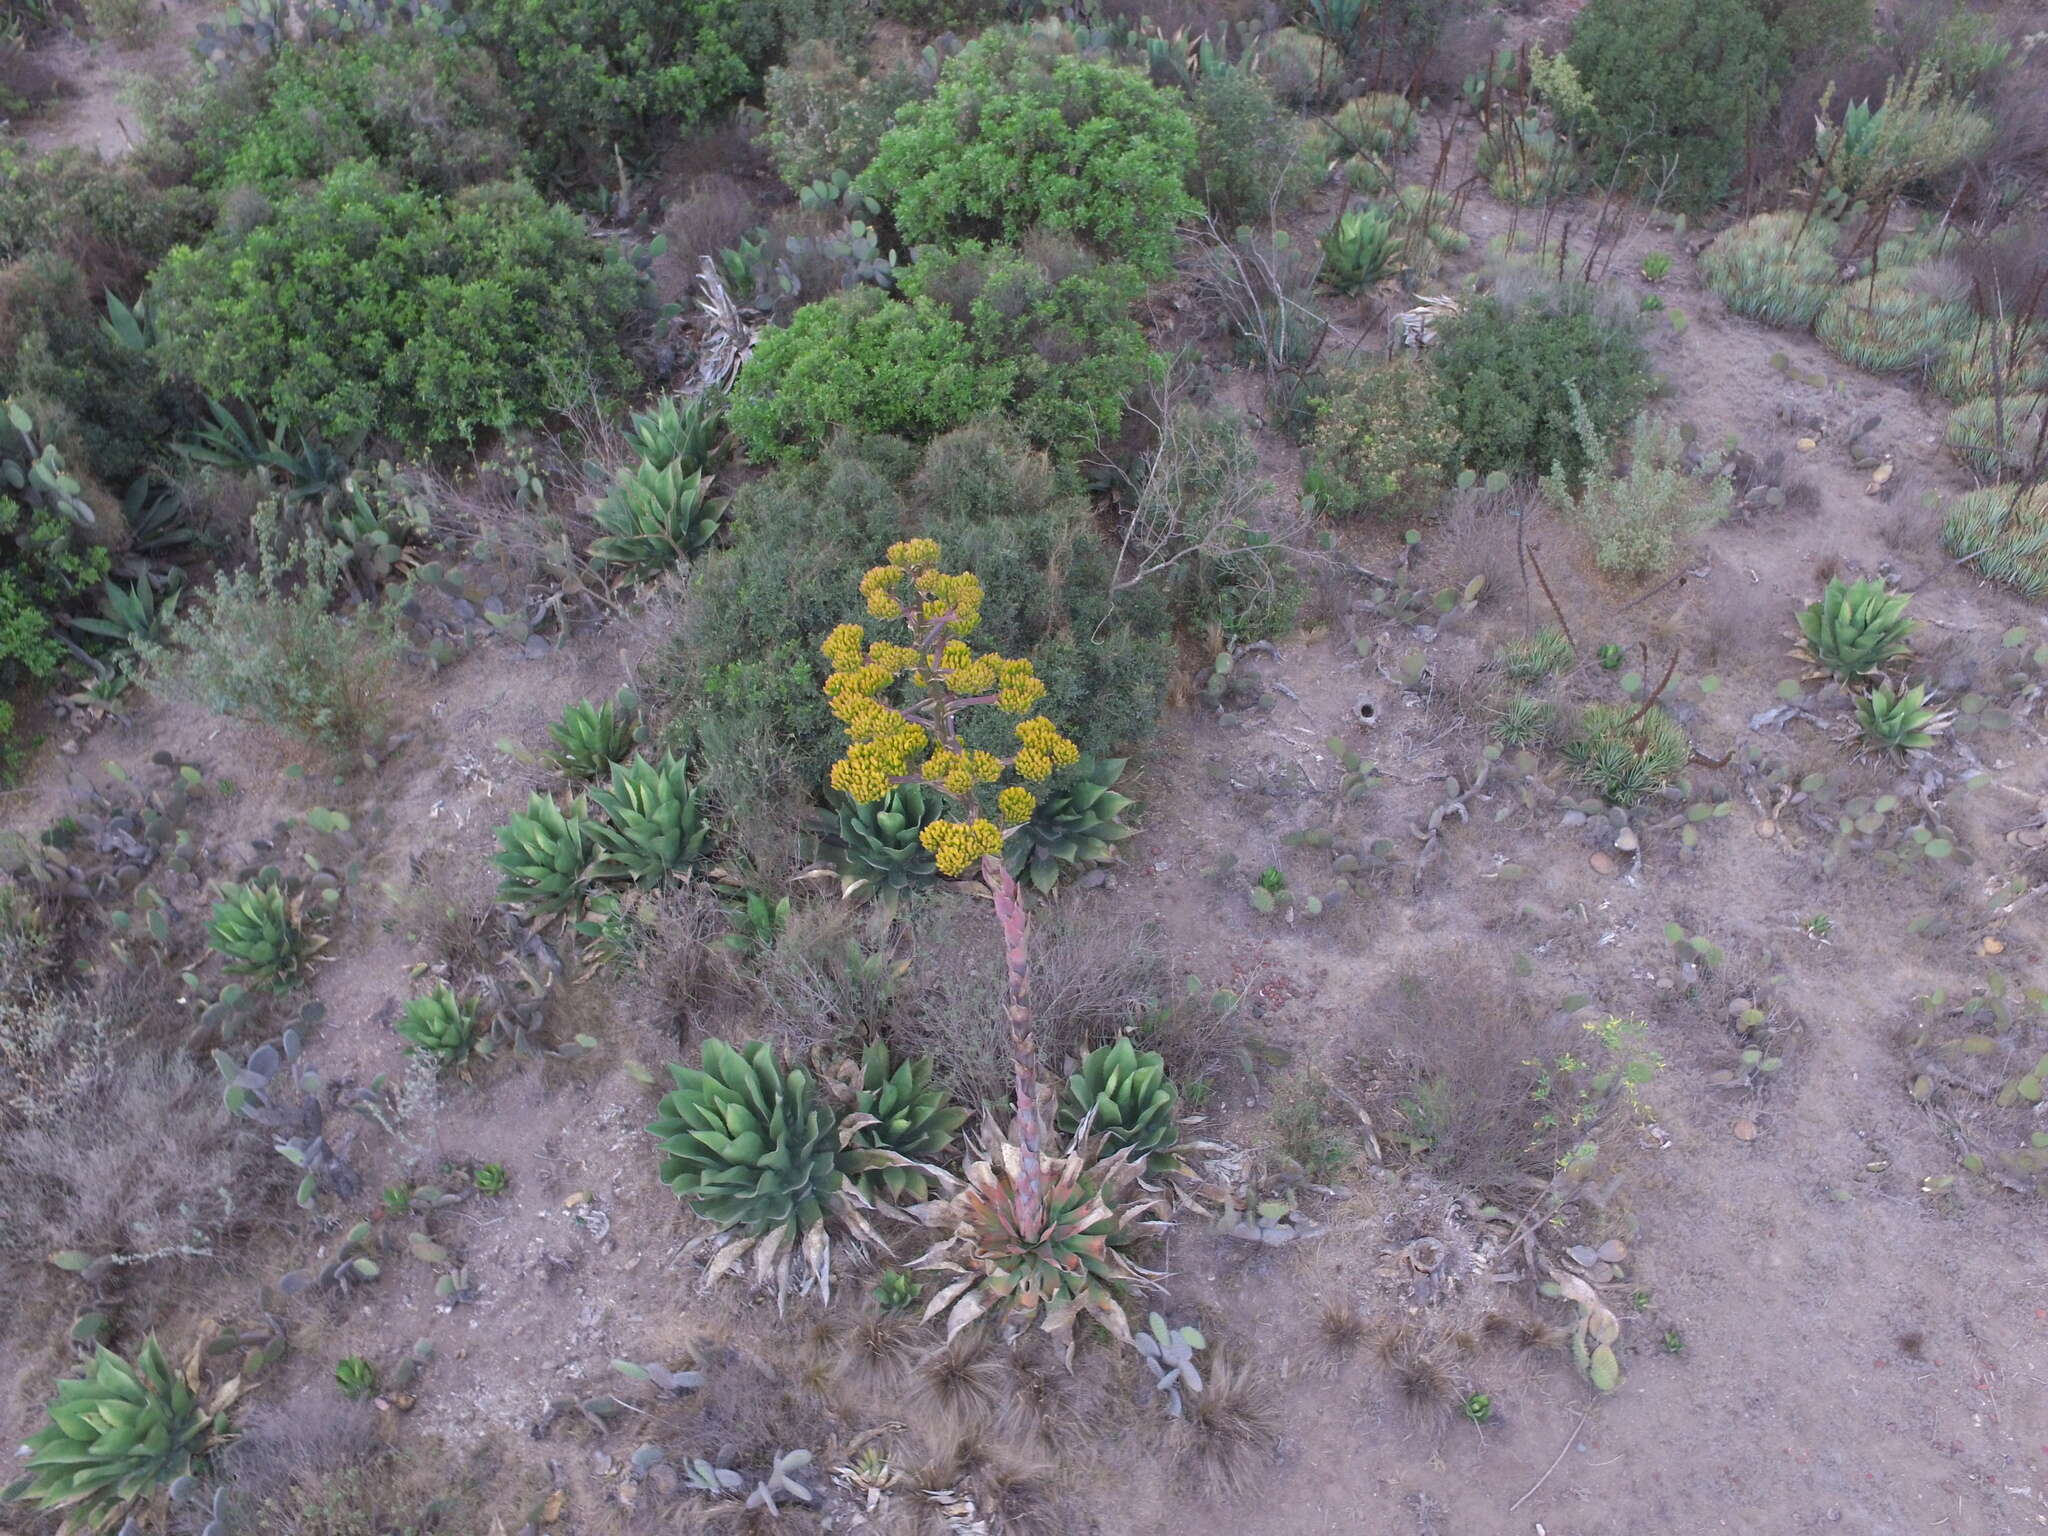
(902,705)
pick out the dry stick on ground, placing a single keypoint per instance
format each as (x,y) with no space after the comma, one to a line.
(1431,832)
(1561,1450)
(1554,606)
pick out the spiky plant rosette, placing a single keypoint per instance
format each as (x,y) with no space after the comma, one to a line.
(1627,751)
(440,1026)
(877,847)
(1123,1095)
(544,855)
(1896,320)
(754,1151)
(899,1110)
(1996,354)
(652,827)
(1074,1263)
(690,436)
(2001,439)
(655,517)
(589,737)
(2002,532)
(1075,824)
(1899,721)
(1777,267)
(260,930)
(1854,630)
(116,1436)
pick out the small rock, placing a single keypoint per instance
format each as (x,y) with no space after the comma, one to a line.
(1572,819)
(1093,879)
(1745,1130)
(1626,841)
(1806,445)
(1602,864)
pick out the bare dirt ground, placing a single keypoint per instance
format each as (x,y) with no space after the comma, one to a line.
(95,114)
(1865,1336)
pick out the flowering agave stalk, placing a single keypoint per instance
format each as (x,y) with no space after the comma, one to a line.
(940,677)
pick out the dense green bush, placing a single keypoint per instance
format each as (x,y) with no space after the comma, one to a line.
(359,308)
(1679,80)
(745,666)
(1059,326)
(824,115)
(1384,442)
(427,107)
(591,75)
(1249,155)
(1023,135)
(46,562)
(1505,365)
(864,362)
(108,215)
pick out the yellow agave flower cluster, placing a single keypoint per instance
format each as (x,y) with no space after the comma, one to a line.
(885,746)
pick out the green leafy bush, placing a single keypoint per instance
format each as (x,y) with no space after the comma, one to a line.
(1249,159)
(49,563)
(262,644)
(1056,324)
(1638,520)
(824,115)
(1677,80)
(363,309)
(1776,267)
(1919,133)
(110,217)
(1022,134)
(427,107)
(1384,442)
(1504,368)
(866,363)
(588,76)
(2001,532)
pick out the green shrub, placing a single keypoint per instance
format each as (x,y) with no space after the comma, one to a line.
(863,362)
(824,115)
(1526,161)
(1637,520)
(1022,135)
(1918,134)
(1776,267)
(262,645)
(72,203)
(49,564)
(360,309)
(1504,367)
(2002,533)
(1377,123)
(1384,442)
(1303,70)
(1999,353)
(1537,659)
(1057,325)
(1675,80)
(427,107)
(1900,319)
(2002,439)
(1249,160)
(588,76)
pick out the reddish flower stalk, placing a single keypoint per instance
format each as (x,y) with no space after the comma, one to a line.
(1016,930)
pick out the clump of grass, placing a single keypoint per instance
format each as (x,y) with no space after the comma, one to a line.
(1421,1373)
(1523,722)
(2002,531)
(963,1379)
(1897,320)
(2001,439)
(1777,267)
(1302,1131)
(1627,752)
(1232,1428)
(1537,659)
(1524,1330)
(1341,1332)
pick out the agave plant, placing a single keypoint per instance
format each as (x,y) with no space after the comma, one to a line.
(898,1110)
(134,615)
(116,1436)
(260,930)
(1359,249)
(1627,752)
(876,846)
(1066,1262)
(652,828)
(655,518)
(1073,827)
(753,1149)
(356,1377)
(589,737)
(440,1025)
(1900,722)
(689,436)
(1125,1097)
(1855,629)
(545,853)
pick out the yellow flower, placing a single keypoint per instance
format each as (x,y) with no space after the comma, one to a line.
(1033,764)
(1016,804)
(986,765)
(909,554)
(842,647)
(879,587)
(1017,686)
(954,845)
(897,658)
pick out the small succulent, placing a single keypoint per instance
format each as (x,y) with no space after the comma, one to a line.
(1359,249)
(1627,751)
(652,828)
(1536,659)
(1900,721)
(1855,629)
(1477,1407)
(752,1148)
(589,738)
(115,1436)
(1171,1354)
(491,1179)
(356,1377)
(544,854)
(904,1114)
(1131,1100)
(134,615)
(690,436)
(654,519)
(896,1291)
(260,930)
(1522,722)
(1072,827)
(876,846)
(440,1025)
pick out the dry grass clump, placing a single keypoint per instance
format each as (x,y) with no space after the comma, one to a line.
(878,1350)
(963,1380)
(1232,1428)
(1777,267)
(1524,1330)
(1341,1331)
